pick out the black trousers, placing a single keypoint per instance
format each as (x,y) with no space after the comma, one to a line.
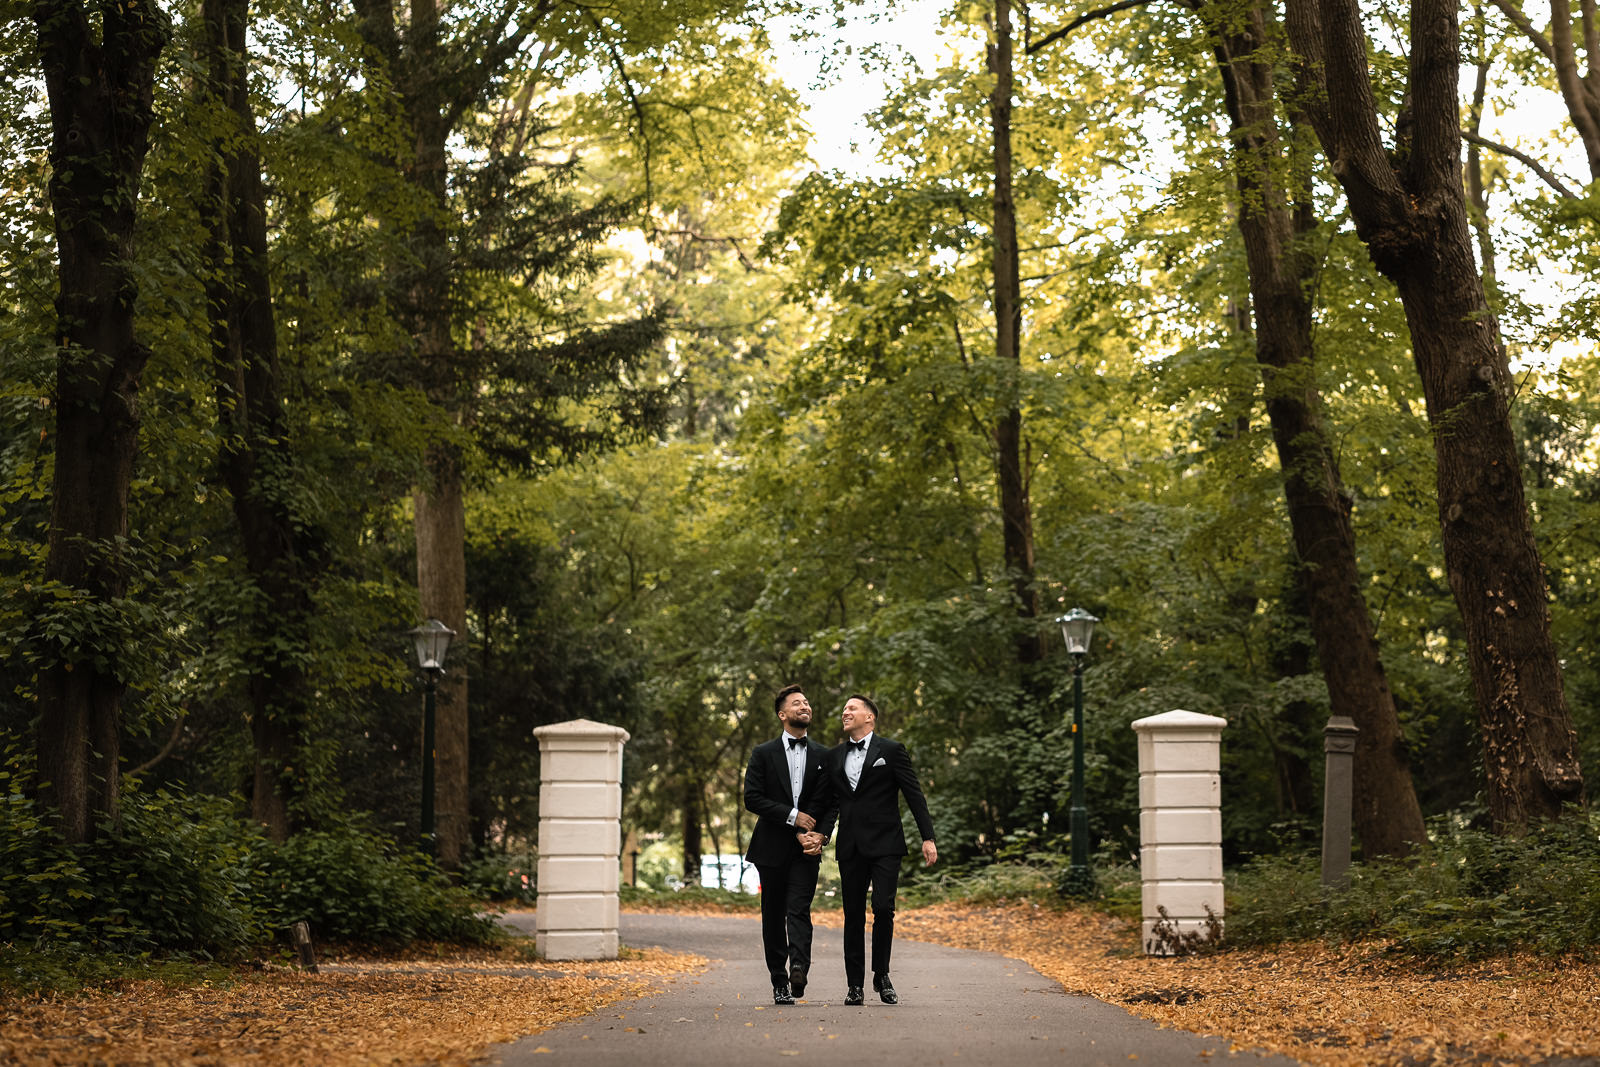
(786,892)
(855,873)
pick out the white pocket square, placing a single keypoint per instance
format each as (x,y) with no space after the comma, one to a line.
(879,762)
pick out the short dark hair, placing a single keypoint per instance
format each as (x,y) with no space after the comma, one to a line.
(784,694)
(865,700)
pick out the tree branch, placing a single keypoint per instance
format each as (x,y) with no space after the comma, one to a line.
(633,99)
(166,749)
(1510,10)
(1521,157)
(694,235)
(1030,47)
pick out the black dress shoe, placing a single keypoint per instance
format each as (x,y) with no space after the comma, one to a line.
(797,981)
(886,992)
(854,998)
(781,994)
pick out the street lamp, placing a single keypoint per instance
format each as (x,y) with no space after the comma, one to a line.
(1077,628)
(433,641)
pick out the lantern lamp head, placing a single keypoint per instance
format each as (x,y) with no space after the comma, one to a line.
(433,641)
(1077,627)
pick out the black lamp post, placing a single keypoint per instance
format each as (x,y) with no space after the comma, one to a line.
(433,641)
(1077,627)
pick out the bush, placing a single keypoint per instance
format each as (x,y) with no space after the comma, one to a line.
(1469,894)
(691,898)
(502,876)
(1033,877)
(353,885)
(184,878)
(174,875)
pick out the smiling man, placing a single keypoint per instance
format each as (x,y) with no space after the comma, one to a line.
(785,789)
(867,775)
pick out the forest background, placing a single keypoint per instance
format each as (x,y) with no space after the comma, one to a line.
(536,318)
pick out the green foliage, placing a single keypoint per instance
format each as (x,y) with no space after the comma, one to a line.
(40,970)
(1470,894)
(183,878)
(501,876)
(356,886)
(1031,878)
(175,875)
(690,898)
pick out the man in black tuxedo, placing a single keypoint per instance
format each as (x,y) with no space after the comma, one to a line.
(784,788)
(867,775)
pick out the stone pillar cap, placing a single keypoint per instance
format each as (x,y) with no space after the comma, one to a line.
(580,728)
(1180,720)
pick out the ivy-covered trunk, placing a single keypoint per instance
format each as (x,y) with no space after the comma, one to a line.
(1409,208)
(100,87)
(256,455)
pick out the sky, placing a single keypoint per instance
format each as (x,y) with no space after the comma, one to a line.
(838,100)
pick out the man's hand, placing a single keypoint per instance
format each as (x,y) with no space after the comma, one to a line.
(804,821)
(930,854)
(810,843)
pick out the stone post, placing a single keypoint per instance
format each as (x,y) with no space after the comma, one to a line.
(1338,797)
(1180,830)
(580,838)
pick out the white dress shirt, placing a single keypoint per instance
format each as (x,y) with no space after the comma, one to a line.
(796,755)
(855,760)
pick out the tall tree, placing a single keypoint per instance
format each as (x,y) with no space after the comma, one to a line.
(257,458)
(1016,514)
(1270,171)
(438,71)
(99,73)
(1409,207)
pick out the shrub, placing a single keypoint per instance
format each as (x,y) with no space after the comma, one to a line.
(174,875)
(691,898)
(177,875)
(355,886)
(502,876)
(1468,894)
(1033,877)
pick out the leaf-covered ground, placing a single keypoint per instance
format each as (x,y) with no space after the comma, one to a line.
(438,1010)
(1337,1006)
(1347,1005)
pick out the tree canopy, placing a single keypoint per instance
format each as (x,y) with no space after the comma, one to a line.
(1239,325)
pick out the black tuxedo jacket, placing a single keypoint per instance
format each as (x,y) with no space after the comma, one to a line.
(767,796)
(869,815)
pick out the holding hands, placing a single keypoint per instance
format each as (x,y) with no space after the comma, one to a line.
(810,841)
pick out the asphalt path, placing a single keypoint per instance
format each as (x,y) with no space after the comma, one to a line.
(956,1007)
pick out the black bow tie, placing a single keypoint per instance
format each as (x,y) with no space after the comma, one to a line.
(858,745)
(797,742)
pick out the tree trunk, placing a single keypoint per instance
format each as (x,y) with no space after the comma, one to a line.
(100,95)
(1016,513)
(1410,210)
(693,849)
(442,585)
(256,457)
(436,83)
(1387,815)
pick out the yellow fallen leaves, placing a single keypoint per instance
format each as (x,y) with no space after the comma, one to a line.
(390,1012)
(1336,1006)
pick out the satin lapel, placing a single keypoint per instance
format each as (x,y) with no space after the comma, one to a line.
(779,763)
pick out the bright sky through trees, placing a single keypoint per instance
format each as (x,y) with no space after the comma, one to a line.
(840,89)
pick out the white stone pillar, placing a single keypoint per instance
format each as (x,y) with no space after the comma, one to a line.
(1180,829)
(580,839)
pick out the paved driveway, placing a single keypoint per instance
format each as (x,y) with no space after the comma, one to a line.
(956,1007)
